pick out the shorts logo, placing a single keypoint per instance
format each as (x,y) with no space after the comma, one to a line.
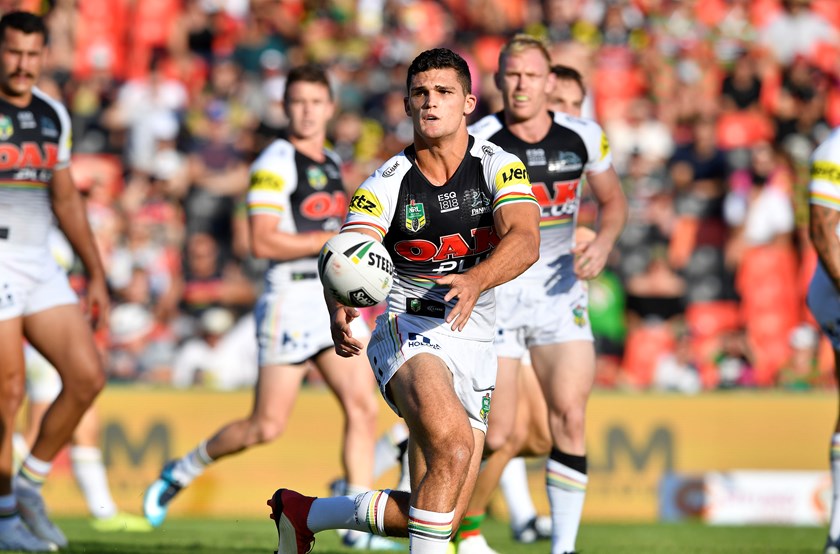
(485,408)
(416,340)
(579,313)
(415,217)
(7,298)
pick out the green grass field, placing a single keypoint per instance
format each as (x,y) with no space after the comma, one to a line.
(258,536)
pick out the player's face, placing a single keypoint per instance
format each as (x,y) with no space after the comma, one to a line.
(309,109)
(437,103)
(566,97)
(525,80)
(21,59)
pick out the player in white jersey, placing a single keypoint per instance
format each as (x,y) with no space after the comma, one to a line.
(458,218)
(544,311)
(824,290)
(36,301)
(43,385)
(296,202)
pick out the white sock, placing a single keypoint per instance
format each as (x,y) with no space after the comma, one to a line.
(834,457)
(370,509)
(33,472)
(429,532)
(566,492)
(92,480)
(192,464)
(364,513)
(514,485)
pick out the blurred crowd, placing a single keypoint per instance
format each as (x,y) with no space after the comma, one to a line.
(711,107)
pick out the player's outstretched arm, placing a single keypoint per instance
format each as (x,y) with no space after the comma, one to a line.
(823,231)
(69,209)
(518,226)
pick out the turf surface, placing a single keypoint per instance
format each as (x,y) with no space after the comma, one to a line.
(258,536)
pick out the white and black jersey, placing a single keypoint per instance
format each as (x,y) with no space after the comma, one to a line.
(306,195)
(432,231)
(34,141)
(573,147)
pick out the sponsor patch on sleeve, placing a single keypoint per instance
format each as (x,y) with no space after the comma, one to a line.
(266,180)
(605,145)
(365,202)
(512,174)
(826,171)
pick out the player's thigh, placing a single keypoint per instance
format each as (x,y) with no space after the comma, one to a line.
(12,374)
(276,390)
(566,372)
(500,423)
(50,331)
(350,379)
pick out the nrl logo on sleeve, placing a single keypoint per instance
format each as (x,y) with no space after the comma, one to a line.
(391,170)
(415,217)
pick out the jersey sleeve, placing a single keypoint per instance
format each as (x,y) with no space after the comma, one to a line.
(594,138)
(507,177)
(373,204)
(273,179)
(824,187)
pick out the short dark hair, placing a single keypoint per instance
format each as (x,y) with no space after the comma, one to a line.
(309,73)
(440,58)
(566,73)
(25,22)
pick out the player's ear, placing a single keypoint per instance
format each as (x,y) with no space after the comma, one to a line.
(469,104)
(407,108)
(497,78)
(550,82)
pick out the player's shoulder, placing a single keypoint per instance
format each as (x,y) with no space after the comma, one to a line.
(279,150)
(394,169)
(50,104)
(486,127)
(332,156)
(583,126)
(491,153)
(829,149)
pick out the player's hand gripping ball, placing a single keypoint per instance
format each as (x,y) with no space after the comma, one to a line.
(356,269)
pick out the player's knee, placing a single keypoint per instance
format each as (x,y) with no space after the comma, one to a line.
(361,409)
(12,391)
(266,430)
(451,457)
(573,420)
(85,386)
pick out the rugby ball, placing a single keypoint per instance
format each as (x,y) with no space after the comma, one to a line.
(356,269)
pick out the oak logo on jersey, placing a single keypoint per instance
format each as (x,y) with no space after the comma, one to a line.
(452,252)
(389,172)
(319,206)
(512,174)
(7,128)
(559,201)
(28,155)
(266,180)
(365,202)
(316,177)
(415,217)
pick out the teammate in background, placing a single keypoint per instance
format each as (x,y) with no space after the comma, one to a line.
(43,384)
(36,301)
(544,311)
(296,202)
(458,217)
(569,92)
(824,290)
